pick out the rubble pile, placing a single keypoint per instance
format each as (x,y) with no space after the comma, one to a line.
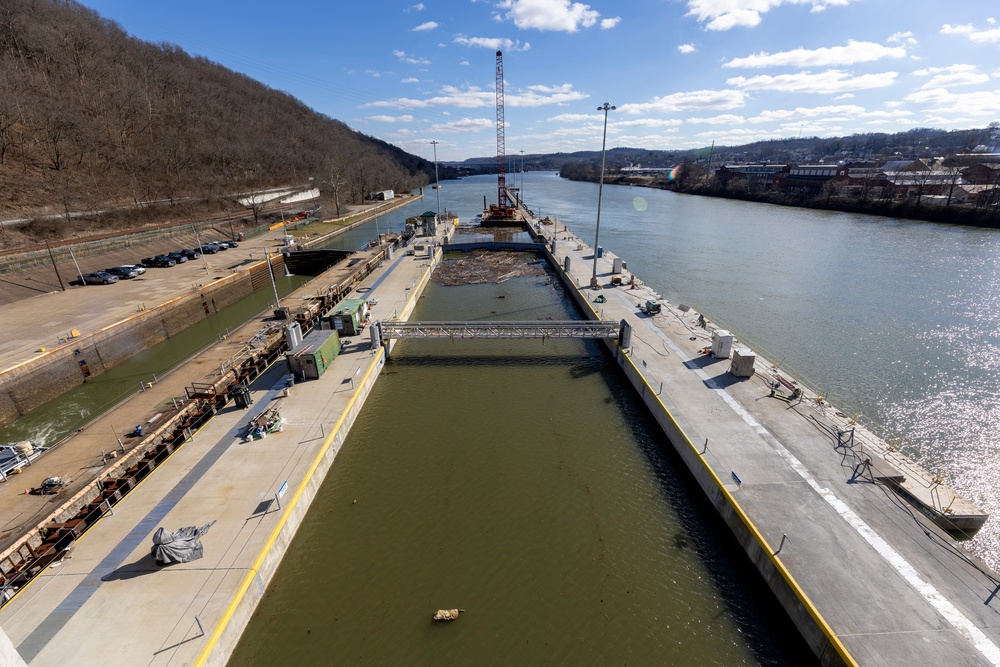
(488,267)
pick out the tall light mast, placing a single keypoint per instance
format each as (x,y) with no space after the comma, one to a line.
(501,156)
(437,185)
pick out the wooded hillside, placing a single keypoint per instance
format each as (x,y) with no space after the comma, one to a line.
(91,118)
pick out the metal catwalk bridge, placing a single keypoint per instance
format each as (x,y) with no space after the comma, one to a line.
(384,330)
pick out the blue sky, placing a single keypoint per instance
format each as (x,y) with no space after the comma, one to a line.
(682,73)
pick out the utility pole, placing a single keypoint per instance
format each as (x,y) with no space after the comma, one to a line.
(61,286)
(437,185)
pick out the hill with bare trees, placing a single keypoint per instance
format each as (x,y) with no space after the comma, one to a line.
(92,118)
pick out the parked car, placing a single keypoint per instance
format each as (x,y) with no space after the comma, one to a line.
(227,244)
(96,278)
(178,257)
(210,248)
(190,254)
(161,261)
(221,245)
(139,268)
(123,272)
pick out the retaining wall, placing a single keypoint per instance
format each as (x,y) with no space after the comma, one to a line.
(33,383)
(814,629)
(229,630)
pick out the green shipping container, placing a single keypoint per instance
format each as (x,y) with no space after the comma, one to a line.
(310,358)
(349,316)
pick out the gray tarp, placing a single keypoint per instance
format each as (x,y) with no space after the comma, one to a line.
(180,546)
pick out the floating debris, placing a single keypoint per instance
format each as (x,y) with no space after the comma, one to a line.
(447,614)
(484,266)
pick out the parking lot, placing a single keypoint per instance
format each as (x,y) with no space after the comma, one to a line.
(37,313)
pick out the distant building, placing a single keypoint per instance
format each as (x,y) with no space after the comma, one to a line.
(755,176)
(639,170)
(984,173)
(808,179)
(381,195)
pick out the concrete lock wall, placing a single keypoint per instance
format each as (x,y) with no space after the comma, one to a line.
(237,616)
(806,618)
(229,630)
(30,385)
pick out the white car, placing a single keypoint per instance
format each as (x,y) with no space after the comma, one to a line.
(138,269)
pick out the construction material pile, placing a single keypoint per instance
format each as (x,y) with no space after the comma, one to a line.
(488,267)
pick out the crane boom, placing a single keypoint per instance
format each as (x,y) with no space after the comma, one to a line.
(501,155)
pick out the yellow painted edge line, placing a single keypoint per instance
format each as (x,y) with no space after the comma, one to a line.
(831,636)
(282,520)
(275,533)
(789,579)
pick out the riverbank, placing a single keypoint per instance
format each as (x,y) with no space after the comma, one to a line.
(908,209)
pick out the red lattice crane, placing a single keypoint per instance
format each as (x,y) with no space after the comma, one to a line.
(501,153)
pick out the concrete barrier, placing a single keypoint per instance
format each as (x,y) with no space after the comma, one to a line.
(810,623)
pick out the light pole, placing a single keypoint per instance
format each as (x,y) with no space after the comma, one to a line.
(274,285)
(594,284)
(437,186)
(520,192)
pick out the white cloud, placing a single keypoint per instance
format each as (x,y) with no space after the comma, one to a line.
(727,14)
(722,119)
(572,117)
(854,52)
(373,73)
(413,60)
(464,125)
(537,96)
(429,25)
(984,103)
(556,15)
(463,62)
(419,7)
(696,99)
(886,115)
(830,82)
(686,48)
(953,75)
(473,97)
(649,122)
(834,112)
(493,43)
(974,35)
(539,88)
(902,38)
(410,79)
(392,119)
(607,24)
